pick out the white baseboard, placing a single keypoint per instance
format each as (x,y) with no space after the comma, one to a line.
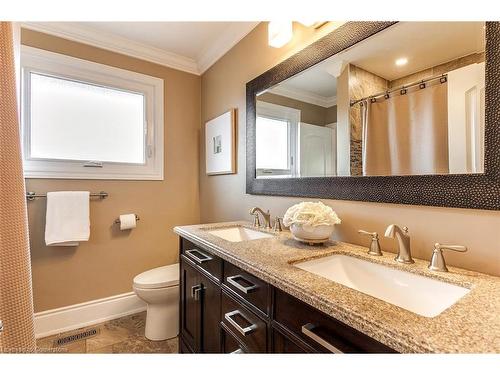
(51,322)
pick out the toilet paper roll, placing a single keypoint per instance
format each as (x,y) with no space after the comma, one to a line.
(127,221)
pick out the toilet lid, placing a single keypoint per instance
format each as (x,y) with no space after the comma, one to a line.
(158,277)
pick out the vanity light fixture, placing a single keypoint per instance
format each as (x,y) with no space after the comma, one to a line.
(279,33)
(401,61)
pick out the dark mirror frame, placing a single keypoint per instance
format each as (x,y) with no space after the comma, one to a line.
(480,191)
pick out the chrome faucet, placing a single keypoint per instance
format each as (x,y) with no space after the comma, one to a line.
(266,215)
(404,253)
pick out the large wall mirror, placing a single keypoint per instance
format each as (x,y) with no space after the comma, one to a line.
(406,106)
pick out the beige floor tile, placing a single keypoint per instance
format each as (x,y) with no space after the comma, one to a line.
(140,344)
(174,345)
(108,335)
(123,335)
(47,346)
(103,350)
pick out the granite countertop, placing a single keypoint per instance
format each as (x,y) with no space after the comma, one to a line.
(471,325)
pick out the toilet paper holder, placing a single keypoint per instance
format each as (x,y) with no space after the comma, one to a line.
(137,218)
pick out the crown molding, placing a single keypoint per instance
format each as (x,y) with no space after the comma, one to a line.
(115,44)
(227,40)
(305,96)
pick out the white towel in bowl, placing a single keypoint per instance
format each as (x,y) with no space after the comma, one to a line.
(67,219)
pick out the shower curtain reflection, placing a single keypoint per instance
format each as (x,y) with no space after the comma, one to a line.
(406,134)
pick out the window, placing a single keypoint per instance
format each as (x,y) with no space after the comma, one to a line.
(89,121)
(276,140)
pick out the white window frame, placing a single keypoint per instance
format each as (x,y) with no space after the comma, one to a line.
(34,60)
(292,116)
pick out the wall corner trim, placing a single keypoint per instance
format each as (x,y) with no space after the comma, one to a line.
(51,322)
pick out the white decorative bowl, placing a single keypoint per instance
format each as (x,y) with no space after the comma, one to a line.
(312,234)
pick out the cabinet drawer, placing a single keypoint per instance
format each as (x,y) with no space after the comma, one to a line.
(283,344)
(321,331)
(212,264)
(247,286)
(244,324)
(230,344)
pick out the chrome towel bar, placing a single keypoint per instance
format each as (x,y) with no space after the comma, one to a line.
(31,195)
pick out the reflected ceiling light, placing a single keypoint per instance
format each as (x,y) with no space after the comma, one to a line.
(402,61)
(279,33)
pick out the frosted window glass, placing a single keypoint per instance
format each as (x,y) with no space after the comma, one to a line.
(79,121)
(272,143)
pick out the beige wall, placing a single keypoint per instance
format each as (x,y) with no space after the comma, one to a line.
(223,198)
(106,264)
(309,113)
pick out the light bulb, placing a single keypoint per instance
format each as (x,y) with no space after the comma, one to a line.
(279,33)
(402,61)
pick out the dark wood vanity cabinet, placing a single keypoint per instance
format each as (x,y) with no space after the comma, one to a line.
(190,311)
(199,310)
(224,309)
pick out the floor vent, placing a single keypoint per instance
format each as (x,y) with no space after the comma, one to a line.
(76,337)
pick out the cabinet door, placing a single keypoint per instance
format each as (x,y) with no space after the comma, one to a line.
(190,306)
(210,316)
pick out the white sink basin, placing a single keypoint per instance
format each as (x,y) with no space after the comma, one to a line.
(421,295)
(238,234)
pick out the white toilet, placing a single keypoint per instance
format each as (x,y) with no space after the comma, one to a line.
(159,288)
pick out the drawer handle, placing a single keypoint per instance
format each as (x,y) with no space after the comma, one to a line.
(243,330)
(245,289)
(195,291)
(197,259)
(238,351)
(307,329)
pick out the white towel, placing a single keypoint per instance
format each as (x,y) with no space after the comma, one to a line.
(67,219)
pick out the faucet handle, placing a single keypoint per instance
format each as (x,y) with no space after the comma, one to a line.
(373,234)
(374,245)
(437,260)
(459,248)
(277,224)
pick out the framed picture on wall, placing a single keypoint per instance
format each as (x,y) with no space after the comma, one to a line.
(220,144)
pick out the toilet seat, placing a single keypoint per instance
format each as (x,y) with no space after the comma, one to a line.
(160,277)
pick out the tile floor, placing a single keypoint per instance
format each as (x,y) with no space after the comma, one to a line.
(123,335)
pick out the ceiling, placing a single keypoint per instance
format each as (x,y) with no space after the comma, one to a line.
(188,46)
(424,44)
(317,81)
